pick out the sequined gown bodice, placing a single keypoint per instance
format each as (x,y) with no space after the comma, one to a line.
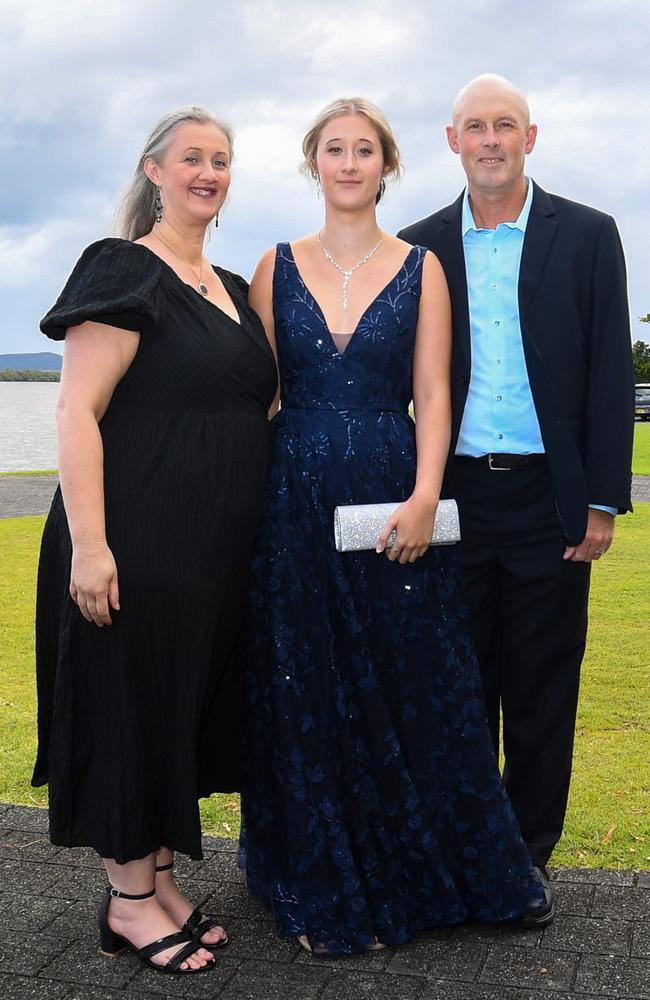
(372,803)
(373,373)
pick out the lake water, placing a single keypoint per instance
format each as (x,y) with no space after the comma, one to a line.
(27,426)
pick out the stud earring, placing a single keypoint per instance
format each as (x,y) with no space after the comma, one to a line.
(158,206)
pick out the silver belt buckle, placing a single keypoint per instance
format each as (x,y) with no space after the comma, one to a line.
(497,468)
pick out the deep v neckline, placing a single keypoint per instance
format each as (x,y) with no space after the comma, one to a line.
(321,314)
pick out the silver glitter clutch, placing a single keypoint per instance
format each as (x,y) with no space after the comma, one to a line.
(357,526)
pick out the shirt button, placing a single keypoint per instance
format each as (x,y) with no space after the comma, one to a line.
(499,398)
(495,285)
(498,361)
(500,437)
(497,322)
(494,249)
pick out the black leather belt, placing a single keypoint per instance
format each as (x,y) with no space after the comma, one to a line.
(506,463)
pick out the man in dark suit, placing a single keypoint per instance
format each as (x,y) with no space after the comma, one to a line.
(542,425)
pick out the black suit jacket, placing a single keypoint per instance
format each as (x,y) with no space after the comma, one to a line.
(576,337)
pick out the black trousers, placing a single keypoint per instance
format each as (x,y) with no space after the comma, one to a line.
(528,615)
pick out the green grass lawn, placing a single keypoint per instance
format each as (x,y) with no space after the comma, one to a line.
(608,823)
(32,472)
(641,457)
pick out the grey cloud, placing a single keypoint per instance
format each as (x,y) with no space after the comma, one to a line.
(81,81)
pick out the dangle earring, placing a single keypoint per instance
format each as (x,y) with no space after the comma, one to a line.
(216,221)
(318,185)
(381,191)
(158,206)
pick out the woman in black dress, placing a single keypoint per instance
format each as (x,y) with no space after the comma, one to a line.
(163,440)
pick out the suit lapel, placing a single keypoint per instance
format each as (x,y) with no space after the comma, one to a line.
(540,232)
(449,249)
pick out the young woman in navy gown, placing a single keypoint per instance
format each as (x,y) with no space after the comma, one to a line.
(372,801)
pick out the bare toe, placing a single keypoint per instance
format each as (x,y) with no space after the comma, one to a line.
(214,936)
(197,960)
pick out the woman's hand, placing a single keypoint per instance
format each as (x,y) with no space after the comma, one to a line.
(413,522)
(93,582)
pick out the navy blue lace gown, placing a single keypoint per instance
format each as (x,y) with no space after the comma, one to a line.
(372,801)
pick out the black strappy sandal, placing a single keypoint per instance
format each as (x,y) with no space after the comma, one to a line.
(198,924)
(112,944)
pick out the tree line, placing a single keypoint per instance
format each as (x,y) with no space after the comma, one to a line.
(641,356)
(28,375)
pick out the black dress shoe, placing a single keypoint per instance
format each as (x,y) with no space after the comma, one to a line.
(540,914)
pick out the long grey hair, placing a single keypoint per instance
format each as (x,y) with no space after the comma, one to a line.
(136,214)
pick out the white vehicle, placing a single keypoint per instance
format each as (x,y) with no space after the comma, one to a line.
(642,400)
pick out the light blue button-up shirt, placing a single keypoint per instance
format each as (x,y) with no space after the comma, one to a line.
(499,414)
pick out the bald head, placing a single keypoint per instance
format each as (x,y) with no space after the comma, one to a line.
(489,88)
(493,134)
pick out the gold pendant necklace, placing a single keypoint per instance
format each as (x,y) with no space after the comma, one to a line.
(201,286)
(348,274)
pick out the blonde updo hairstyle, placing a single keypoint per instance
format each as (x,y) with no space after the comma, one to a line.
(353,106)
(136,214)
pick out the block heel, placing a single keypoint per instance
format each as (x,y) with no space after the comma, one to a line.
(110,944)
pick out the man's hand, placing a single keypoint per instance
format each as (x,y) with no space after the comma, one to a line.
(600,532)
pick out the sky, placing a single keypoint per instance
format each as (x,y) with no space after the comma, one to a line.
(82,81)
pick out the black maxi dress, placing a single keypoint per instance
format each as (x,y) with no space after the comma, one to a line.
(136,721)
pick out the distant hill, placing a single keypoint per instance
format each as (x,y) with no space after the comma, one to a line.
(46,361)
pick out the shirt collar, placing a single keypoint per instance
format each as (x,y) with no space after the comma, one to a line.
(468,224)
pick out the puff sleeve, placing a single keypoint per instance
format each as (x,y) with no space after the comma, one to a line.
(113,282)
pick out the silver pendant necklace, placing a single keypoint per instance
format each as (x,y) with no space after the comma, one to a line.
(201,286)
(348,274)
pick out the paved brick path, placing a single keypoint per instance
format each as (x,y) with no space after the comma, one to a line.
(597,949)
(21,496)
